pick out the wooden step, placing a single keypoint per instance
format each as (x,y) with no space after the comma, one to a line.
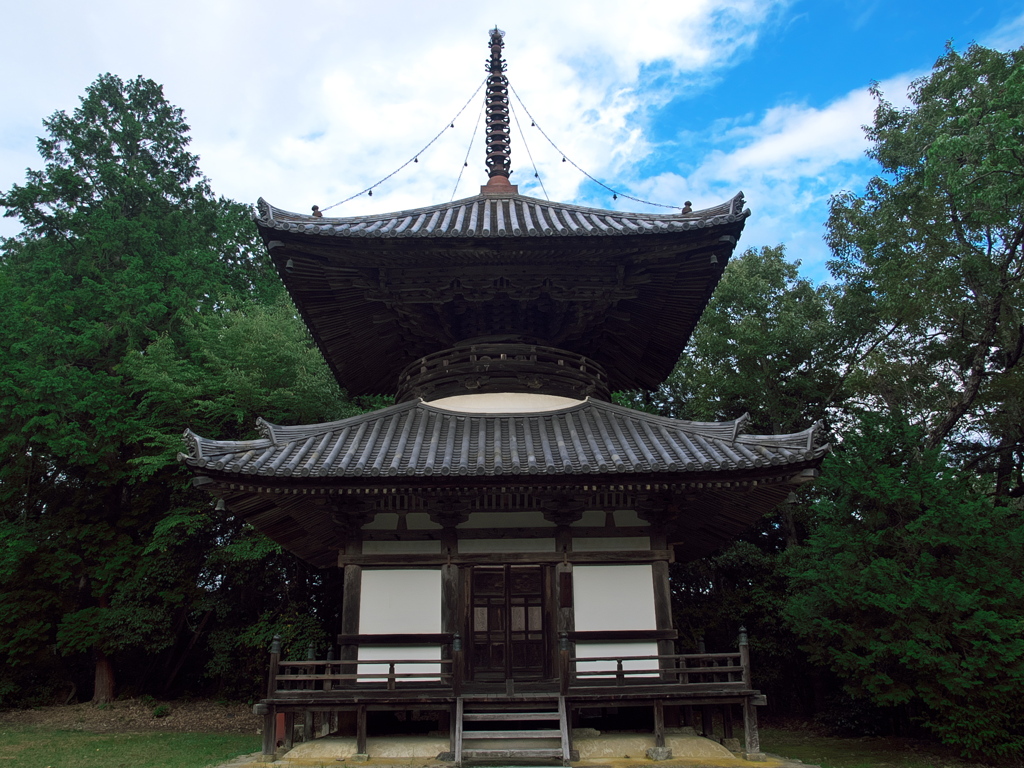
(491,754)
(508,716)
(540,733)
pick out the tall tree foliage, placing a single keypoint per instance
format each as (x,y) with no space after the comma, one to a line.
(766,345)
(911,587)
(936,246)
(122,242)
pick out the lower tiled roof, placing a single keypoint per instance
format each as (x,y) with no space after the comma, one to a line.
(416,439)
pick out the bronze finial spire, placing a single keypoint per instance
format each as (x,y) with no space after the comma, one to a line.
(499,133)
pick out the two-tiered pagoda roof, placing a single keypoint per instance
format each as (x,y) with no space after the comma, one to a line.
(547,307)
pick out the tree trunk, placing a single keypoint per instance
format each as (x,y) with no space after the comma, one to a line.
(103,690)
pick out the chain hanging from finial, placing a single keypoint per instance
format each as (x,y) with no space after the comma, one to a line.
(499,132)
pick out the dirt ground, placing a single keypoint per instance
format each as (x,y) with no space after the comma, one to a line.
(138,715)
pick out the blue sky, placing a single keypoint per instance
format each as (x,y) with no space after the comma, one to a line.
(313,101)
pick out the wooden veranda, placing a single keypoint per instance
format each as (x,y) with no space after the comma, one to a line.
(680,689)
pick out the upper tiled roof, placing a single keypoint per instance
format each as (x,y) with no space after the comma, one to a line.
(500,216)
(417,439)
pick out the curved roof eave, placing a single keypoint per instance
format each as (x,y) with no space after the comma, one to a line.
(415,439)
(499,216)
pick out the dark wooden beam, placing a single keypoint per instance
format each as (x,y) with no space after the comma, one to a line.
(622,635)
(421,638)
(497,558)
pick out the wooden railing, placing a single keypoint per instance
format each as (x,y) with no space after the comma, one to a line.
(320,678)
(697,671)
(323,685)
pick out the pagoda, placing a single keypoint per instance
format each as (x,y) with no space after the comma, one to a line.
(505,530)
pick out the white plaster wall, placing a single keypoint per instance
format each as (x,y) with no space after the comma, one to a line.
(383,521)
(396,601)
(592,518)
(610,544)
(504,402)
(467,546)
(637,648)
(426,547)
(628,518)
(400,600)
(420,521)
(527,519)
(399,653)
(613,597)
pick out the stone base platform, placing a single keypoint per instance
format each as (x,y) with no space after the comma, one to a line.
(609,750)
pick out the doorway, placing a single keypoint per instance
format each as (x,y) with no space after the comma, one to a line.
(507,620)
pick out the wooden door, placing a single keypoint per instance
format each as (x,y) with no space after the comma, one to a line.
(508,627)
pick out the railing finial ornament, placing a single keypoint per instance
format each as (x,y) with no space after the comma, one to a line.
(275,645)
(743,635)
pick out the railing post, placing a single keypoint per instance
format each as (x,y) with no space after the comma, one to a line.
(751,738)
(391,676)
(307,719)
(269,734)
(745,657)
(275,660)
(563,663)
(457,664)
(270,716)
(620,678)
(329,668)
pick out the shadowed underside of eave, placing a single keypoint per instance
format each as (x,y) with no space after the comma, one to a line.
(627,298)
(306,486)
(700,518)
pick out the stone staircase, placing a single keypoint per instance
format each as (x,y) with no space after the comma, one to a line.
(535,730)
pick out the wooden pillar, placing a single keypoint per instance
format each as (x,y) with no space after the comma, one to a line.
(450,616)
(659,724)
(361,729)
(289,731)
(269,730)
(352,584)
(751,739)
(350,615)
(707,723)
(565,622)
(663,615)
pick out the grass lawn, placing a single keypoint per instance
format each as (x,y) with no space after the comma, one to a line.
(836,752)
(35,747)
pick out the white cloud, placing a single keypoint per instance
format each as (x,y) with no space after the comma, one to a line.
(788,163)
(1007,35)
(311,102)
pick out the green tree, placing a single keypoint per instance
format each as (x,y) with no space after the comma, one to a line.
(768,344)
(122,242)
(934,250)
(257,359)
(773,345)
(911,588)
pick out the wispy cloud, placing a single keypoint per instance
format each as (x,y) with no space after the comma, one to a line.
(1007,35)
(314,104)
(789,163)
